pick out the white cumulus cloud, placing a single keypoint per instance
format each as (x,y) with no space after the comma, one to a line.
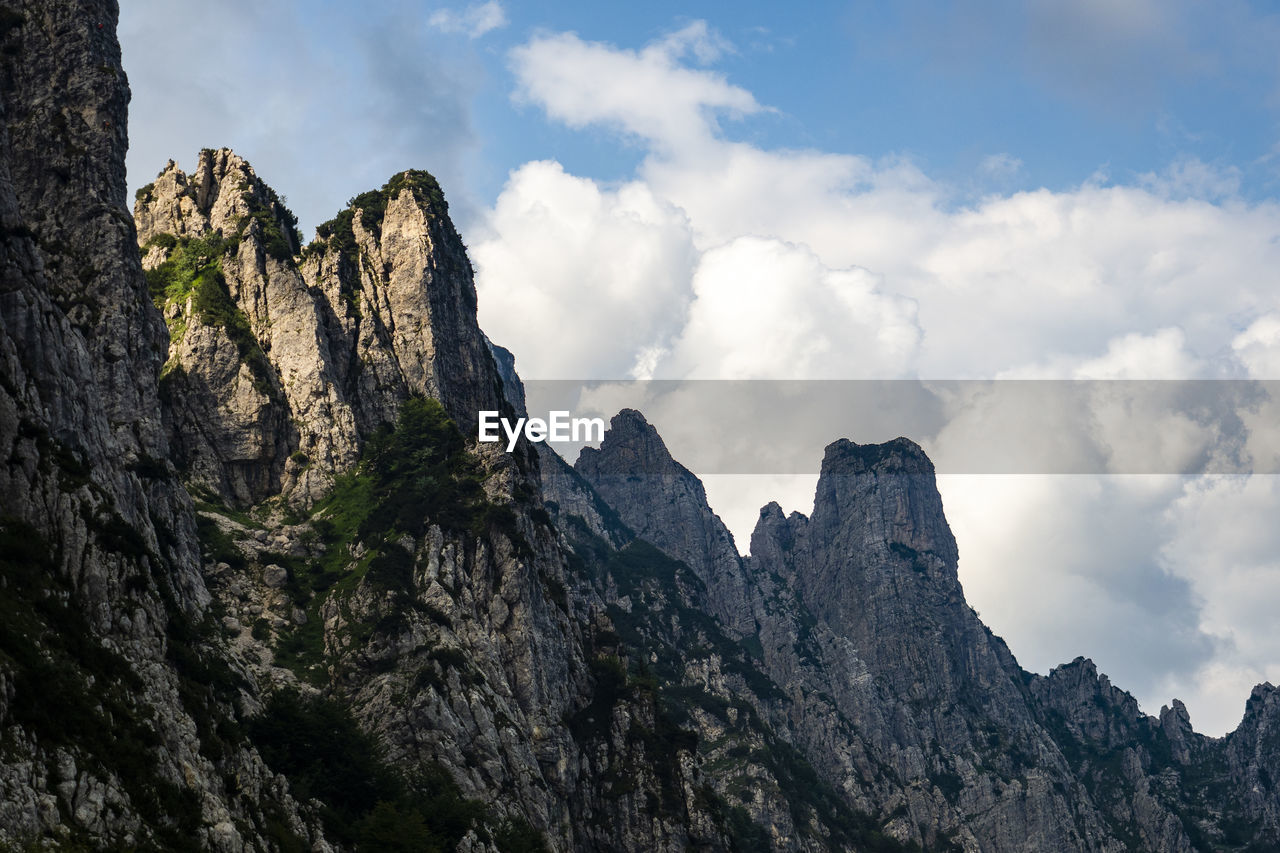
(1258,347)
(723,259)
(563,252)
(765,309)
(647,93)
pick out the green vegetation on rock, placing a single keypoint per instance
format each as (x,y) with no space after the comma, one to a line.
(339,233)
(277,224)
(318,746)
(412,475)
(192,276)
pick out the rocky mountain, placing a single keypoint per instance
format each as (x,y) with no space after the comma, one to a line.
(665,504)
(283,362)
(868,660)
(261,590)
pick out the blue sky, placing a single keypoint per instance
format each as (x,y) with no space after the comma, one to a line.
(951,84)
(1061,92)
(1052,189)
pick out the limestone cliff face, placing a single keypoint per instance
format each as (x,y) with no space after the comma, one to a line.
(227,300)
(869,660)
(138,708)
(1252,761)
(876,564)
(401,304)
(572,500)
(425,591)
(281,363)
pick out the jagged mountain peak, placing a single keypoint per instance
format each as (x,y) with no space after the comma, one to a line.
(1089,699)
(281,363)
(774,535)
(771,513)
(883,498)
(631,419)
(664,503)
(899,456)
(633,445)
(223,195)
(1264,693)
(412,197)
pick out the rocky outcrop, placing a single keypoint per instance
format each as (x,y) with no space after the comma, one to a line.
(137,707)
(1252,762)
(218,249)
(933,696)
(664,503)
(904,702)
(572,501)
(432,598)
(281,364)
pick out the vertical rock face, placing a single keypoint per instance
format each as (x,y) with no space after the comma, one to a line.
(664,503)
(245,371)
(1253,761)
(426,593)
(81,343)
(938,699)
(878,565)
(571,500)
(100,588)
(512,387)
(399,287)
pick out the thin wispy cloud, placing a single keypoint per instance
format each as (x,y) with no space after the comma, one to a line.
(473,21)
(395,101)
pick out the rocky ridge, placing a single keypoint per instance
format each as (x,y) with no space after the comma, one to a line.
(284,361)
(903,700)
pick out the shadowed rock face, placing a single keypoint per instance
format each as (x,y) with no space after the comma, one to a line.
(881,560)
(100,582)
(900,696)
(870,583)
(126,688)
(664,503)
(897,693)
